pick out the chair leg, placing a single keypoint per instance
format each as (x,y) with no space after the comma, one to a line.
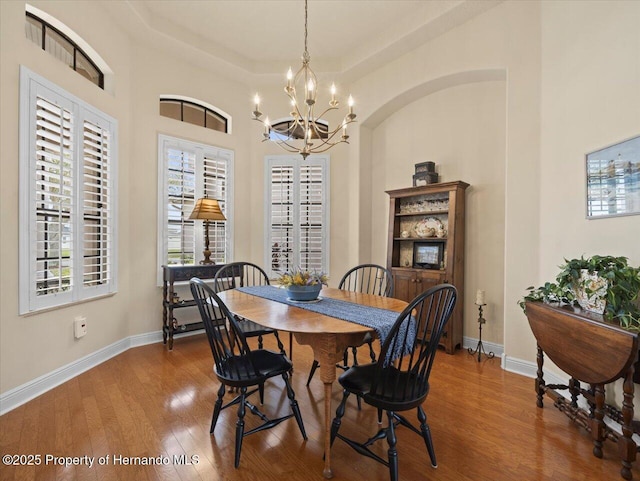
(335,425)
(240,425)
(217,407)
(426,434)
(260,345)
(261,393)
(314,366)
(294,405)
(354,351)
(379,416)
(372,353)
(392,452)
(280,345)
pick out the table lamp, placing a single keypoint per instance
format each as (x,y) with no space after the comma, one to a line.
(207,209)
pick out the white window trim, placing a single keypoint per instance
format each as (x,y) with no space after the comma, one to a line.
(30,84)
(296,161)
(163,192)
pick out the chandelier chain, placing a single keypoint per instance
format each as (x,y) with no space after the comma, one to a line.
(306,12)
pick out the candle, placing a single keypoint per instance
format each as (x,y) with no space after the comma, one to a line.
(480,297)
(310,88)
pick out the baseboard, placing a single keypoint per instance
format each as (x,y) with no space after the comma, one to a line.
(472,343)
(26,392)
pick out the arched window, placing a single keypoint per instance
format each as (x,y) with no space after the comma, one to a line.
(195,112)
(62,47)
(287,130)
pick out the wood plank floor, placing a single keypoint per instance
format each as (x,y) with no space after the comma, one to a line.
(148,402)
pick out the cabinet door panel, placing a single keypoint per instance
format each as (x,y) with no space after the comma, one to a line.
(404,284)
(427,279)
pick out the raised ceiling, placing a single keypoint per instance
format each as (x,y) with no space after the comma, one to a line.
(346,37)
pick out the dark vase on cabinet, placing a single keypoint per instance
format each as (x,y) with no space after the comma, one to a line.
(426,245)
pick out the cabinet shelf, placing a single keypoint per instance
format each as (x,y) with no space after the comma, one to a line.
(413,239)
(422,213)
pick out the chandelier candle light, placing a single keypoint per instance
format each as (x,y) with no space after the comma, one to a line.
(305,123)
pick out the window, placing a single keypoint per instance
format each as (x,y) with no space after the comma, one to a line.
(288,130)
(195,112)
(297,203)
(188,172)
(59,45)
(67,197)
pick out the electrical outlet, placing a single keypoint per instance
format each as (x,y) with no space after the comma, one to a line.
(79,327)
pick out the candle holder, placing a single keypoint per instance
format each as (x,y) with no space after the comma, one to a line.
(479,350)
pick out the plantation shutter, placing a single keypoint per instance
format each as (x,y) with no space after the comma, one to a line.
(97,197)
(181,185)
(297,213)
(215,187)
(311,207)
(68,156)
(282,220)
(54,201)
(188,172)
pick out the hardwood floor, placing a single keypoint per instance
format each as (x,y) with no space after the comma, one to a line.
(148,402)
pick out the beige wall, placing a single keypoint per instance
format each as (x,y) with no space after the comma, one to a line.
(508,102)
(462,129)
(590,99)
(33,345)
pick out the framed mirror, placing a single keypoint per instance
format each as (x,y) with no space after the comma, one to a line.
(613,180)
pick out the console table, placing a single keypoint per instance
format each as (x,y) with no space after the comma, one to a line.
(591,351)
(170,301)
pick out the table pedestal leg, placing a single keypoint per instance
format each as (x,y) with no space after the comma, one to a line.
(327,473)
(326,354)
(327,349)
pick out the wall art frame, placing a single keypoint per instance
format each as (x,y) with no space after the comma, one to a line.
(613,180)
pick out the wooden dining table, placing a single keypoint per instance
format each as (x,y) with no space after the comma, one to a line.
(327,336)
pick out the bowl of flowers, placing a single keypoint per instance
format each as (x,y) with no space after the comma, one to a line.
(302,285)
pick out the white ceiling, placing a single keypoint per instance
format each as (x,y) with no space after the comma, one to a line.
(267,36)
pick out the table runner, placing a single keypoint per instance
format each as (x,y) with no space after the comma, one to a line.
(381,320)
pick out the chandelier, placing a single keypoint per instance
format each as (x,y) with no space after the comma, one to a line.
(304,125)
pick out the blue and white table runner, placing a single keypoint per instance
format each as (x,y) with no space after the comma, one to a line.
(381,320)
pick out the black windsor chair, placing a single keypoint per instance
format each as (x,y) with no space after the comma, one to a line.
(237,366)
(403,384)
(243,274)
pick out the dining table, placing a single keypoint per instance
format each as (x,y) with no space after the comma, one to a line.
(328,336)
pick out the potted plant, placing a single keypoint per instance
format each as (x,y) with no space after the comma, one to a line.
(604,284)
(303,285)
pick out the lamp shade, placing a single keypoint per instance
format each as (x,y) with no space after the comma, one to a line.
(207,209)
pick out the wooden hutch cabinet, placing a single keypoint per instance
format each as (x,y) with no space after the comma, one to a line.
(426,245)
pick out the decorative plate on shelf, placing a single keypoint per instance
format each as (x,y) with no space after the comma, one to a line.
(428,227)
